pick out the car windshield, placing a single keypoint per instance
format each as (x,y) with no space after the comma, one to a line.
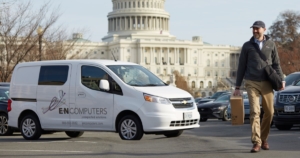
(4,95)
(224,98)
(291,78)
(136,75)
(216,95)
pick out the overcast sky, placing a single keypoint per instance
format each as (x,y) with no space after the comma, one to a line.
(216,21)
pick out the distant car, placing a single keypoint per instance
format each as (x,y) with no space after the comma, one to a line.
(215,109)
(4,128)
(4,84)
(218,94)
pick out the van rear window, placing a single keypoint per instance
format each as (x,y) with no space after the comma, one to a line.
(53,75)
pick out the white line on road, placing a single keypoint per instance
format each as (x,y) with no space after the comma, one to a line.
(53,151)
(61,142)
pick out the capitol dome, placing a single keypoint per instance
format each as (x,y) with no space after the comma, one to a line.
(140,19)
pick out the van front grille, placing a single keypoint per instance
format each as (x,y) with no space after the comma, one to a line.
(180,103)
(183,123)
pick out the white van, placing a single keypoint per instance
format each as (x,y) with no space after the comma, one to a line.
(97,95)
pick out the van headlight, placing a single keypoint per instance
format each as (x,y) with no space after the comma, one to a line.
(155,99)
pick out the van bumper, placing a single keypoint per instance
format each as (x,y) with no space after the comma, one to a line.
(157,122)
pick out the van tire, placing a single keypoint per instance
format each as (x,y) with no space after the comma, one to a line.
(174,133)
(134,123)
(32,122)
(74,134)
(5,130)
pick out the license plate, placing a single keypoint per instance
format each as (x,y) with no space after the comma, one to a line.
(289,108)
(187,115)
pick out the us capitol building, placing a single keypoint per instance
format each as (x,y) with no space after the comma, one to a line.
(138,32)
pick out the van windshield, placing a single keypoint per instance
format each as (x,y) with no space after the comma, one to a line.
(136,75)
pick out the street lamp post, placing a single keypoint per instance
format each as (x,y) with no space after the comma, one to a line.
(40,34)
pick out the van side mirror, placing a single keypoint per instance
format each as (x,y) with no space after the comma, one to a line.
(104,85)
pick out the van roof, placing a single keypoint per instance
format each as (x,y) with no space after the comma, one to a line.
(82,61)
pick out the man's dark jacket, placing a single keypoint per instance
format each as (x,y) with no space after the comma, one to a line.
(251,66)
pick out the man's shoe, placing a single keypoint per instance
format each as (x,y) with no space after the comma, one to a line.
(265,145)
(255,148)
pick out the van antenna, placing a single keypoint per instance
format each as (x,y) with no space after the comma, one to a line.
(114,56)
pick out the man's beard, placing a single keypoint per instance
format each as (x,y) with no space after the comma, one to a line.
(256,35)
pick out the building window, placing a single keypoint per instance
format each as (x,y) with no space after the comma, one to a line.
(208,73)
(95,52)
(193,84)
(158,70)
(216,74)
(102,53)
(222,55)
(156,60)
(195,71)
(128,59)
(223,64)
(195,52)
(181,70)
(216,64)
(128,50)
(216,55)
(146,60)
(208,62)
(201,84)
(195,61)
(207,54)
(223,73)
(209,84)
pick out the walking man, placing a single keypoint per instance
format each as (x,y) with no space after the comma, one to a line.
(251,69)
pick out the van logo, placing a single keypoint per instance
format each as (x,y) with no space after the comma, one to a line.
(56,102)
(184,102)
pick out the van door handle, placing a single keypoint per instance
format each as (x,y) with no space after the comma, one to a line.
(81,95)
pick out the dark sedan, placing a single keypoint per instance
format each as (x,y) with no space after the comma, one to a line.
(215,109)
(4,96)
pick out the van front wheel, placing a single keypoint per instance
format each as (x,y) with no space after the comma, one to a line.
(31,128)
(130,128)
(73,134)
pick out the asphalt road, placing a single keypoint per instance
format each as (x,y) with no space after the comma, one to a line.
(213,139)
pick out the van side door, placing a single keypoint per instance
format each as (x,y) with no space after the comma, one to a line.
(93,109)
(53,96)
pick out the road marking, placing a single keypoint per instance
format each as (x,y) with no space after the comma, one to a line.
(53,151)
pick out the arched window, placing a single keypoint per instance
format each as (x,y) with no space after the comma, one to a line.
(201,84)
(209,84)
(203,94)
(210,93)
(193,84)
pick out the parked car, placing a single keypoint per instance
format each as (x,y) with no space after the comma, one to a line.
(4,84)
(4,128)
(215,109)
(289,79)
(287,107)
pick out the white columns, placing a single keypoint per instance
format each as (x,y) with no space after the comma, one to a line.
(151,55)
(135,22)
(130,23)
(185,55)
(125,23)
(142,54)
(160,58)
(168,50)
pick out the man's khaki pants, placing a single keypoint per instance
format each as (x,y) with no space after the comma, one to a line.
(255,89)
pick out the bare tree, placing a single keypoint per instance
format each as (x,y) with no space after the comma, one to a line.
(284,31)
(20,41)
(181,82)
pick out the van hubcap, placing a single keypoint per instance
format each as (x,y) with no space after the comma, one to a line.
(128,129)
(3,125)
(28,127)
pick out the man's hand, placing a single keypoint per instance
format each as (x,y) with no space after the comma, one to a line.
(237,92)
(283,85)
